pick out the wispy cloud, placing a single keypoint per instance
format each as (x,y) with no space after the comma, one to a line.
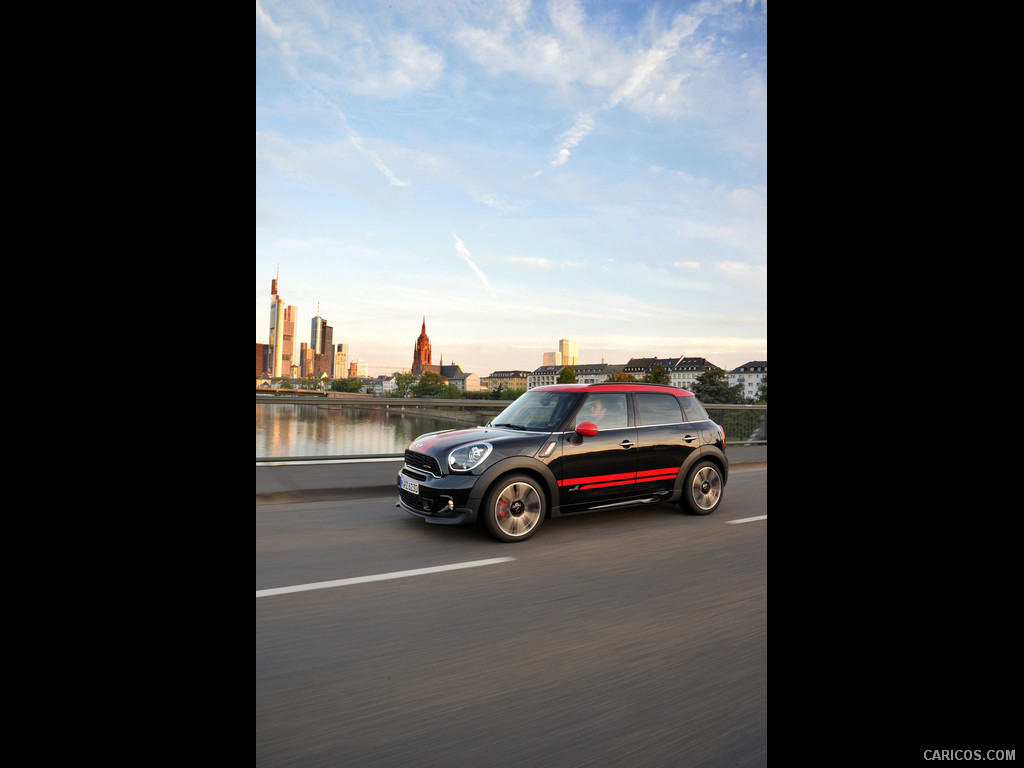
(465,255)
(357,141)
(288,48)
(584,124)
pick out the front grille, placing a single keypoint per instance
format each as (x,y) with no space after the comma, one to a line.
(411,499)
(423,462)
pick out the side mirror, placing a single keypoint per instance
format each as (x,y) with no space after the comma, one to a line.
(586,429)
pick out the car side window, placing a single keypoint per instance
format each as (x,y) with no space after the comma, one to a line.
(694,410)
(607,410)
(655,408)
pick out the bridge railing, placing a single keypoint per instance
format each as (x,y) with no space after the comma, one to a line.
(746,424)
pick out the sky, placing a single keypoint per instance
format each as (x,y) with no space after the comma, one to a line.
(515,173)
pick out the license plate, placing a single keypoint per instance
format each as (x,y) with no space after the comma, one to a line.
(410,485)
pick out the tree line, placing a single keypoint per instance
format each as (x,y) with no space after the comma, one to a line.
(711,386)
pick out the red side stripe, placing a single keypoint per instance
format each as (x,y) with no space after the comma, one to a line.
(653,478)
(607,485)
(625,477)
(666,472)
(604,481)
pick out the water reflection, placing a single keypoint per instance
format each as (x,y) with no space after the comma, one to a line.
(308,430)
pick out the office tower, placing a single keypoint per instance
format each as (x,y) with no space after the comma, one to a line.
(316,333)
(321,342)
(341,361)
(282,333)
(569,352)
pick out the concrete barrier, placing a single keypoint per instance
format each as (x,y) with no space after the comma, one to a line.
(293,480)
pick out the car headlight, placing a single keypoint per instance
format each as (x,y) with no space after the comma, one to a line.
(468,456)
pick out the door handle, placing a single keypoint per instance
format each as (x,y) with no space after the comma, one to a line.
(690,438)
(626,444)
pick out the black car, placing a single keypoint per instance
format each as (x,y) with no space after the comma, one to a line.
(564,449)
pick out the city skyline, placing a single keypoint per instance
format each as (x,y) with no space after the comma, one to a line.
(516,174)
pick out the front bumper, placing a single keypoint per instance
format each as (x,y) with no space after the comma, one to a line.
(438,500)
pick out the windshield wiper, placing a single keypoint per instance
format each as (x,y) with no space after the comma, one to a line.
(510,426)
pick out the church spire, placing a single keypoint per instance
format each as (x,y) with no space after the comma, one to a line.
(421,351)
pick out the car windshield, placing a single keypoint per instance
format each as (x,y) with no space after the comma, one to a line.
(537,410)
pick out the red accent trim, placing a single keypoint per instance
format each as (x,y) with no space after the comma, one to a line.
(666,471)
(625,478)
(622,387)
(606,485)
(431,441)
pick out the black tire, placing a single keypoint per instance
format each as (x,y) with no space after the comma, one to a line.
(514,508)
(702,492)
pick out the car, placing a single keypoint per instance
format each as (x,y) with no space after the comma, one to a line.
(565,449)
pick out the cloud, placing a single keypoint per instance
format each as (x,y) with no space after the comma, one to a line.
(584,124)
(756,274)
(465,255)
(357,141)
(532,261)
(686,264)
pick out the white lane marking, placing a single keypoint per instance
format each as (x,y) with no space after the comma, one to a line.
(381,577)
(747,519)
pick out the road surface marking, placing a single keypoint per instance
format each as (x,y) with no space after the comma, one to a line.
(747,519)
(380,577)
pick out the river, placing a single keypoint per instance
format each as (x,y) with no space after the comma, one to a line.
(284,430)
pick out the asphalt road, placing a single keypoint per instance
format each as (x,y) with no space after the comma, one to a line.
(627,639)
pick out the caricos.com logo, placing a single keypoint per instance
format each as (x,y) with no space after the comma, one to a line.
(970,754)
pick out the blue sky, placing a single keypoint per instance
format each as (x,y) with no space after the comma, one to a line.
(516,172)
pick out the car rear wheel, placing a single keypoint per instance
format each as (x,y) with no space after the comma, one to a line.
(515,508)
(703,490)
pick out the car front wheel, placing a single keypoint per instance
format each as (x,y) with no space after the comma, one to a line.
(703,490)
(514,508)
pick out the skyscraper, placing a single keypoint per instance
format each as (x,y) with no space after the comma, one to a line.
(321,341)
(569,352)
(282,333)
(341,362)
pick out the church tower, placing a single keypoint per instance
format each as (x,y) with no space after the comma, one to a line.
(421,352)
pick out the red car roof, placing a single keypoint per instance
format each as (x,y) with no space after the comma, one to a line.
(618,386)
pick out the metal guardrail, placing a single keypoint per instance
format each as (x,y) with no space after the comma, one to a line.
(405,402)
(743,424)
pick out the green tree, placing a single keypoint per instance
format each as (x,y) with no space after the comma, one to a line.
(658,375)
(346,385)
(497,391)
(762,391)
(404,383)
(620,376)
(713,387)
(429,385)
(567,376)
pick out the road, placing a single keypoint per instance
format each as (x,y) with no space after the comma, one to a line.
(626,639)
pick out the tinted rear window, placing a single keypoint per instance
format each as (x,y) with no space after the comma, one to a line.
(654,408)
(693,409)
